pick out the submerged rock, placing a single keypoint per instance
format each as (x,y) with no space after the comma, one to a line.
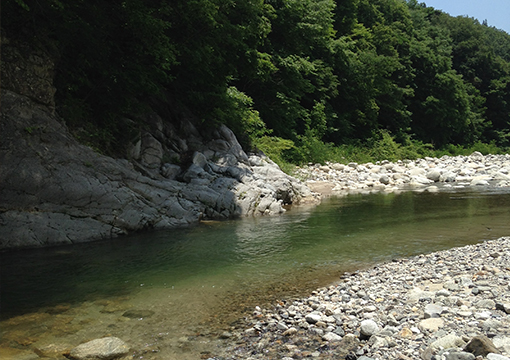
(101,349)
(138,314)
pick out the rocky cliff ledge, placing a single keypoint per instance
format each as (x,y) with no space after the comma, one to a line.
(53,190)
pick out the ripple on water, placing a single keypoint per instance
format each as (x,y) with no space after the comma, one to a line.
(195,283)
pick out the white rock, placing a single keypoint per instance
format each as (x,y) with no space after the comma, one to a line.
(483,315)
(433,311)
(432,324)
(493,356)
(502,343)
(369,328)
(331,336)
(448,176)
(313,318)
(418,172)
(447,342)
(480,181)
(434,175)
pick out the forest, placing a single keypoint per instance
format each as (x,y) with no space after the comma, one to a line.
(302,80)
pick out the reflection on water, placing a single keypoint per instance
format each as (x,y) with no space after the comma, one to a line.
(197,280)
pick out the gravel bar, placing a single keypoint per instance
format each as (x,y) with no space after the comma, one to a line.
(428,174)
(447,305)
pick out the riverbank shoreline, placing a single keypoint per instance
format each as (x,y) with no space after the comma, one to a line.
(427,174)
(429,306)
(248,332)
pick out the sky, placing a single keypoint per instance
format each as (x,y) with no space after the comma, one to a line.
(497,12)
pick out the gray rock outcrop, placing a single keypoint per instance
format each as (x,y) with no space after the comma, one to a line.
(53,190)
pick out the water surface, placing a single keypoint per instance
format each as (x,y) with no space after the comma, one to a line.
(196,281)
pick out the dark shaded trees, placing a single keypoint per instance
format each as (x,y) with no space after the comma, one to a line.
(310,71)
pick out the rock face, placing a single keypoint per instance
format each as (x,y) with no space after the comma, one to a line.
(28,71)
(54,190)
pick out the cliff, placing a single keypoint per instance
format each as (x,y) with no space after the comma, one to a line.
(54,190)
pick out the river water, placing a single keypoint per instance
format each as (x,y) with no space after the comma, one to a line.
(170,293)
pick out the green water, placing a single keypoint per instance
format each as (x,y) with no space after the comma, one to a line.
(206,276)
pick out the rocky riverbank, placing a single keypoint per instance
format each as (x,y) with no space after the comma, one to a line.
(54,190)
(446,305)
(429,174)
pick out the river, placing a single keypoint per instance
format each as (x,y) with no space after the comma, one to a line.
(157,290)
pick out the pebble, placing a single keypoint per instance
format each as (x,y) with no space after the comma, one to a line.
(369,328)
(414,313)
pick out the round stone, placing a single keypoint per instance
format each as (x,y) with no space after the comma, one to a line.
(369,328)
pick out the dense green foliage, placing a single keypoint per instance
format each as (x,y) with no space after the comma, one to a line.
(304,80)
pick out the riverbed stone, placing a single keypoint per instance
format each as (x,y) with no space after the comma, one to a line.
(480,181)
(330,336)
(313,318)
(388,298)
(347,345)
(447,342)
(447,172)
(369,328)
(384,179)
(448,177)
(417,294)
(434,175)
(492,356)
(138,314)
(102,349)
(502,343)
(291,331)
(432,311)
(505,307)
(481,345)
(458,355)
(485,304)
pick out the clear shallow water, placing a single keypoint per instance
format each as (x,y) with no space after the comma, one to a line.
(198,280)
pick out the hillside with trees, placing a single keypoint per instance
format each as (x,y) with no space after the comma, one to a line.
(303,80)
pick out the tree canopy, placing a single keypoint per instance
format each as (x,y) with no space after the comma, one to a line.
(308,71)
